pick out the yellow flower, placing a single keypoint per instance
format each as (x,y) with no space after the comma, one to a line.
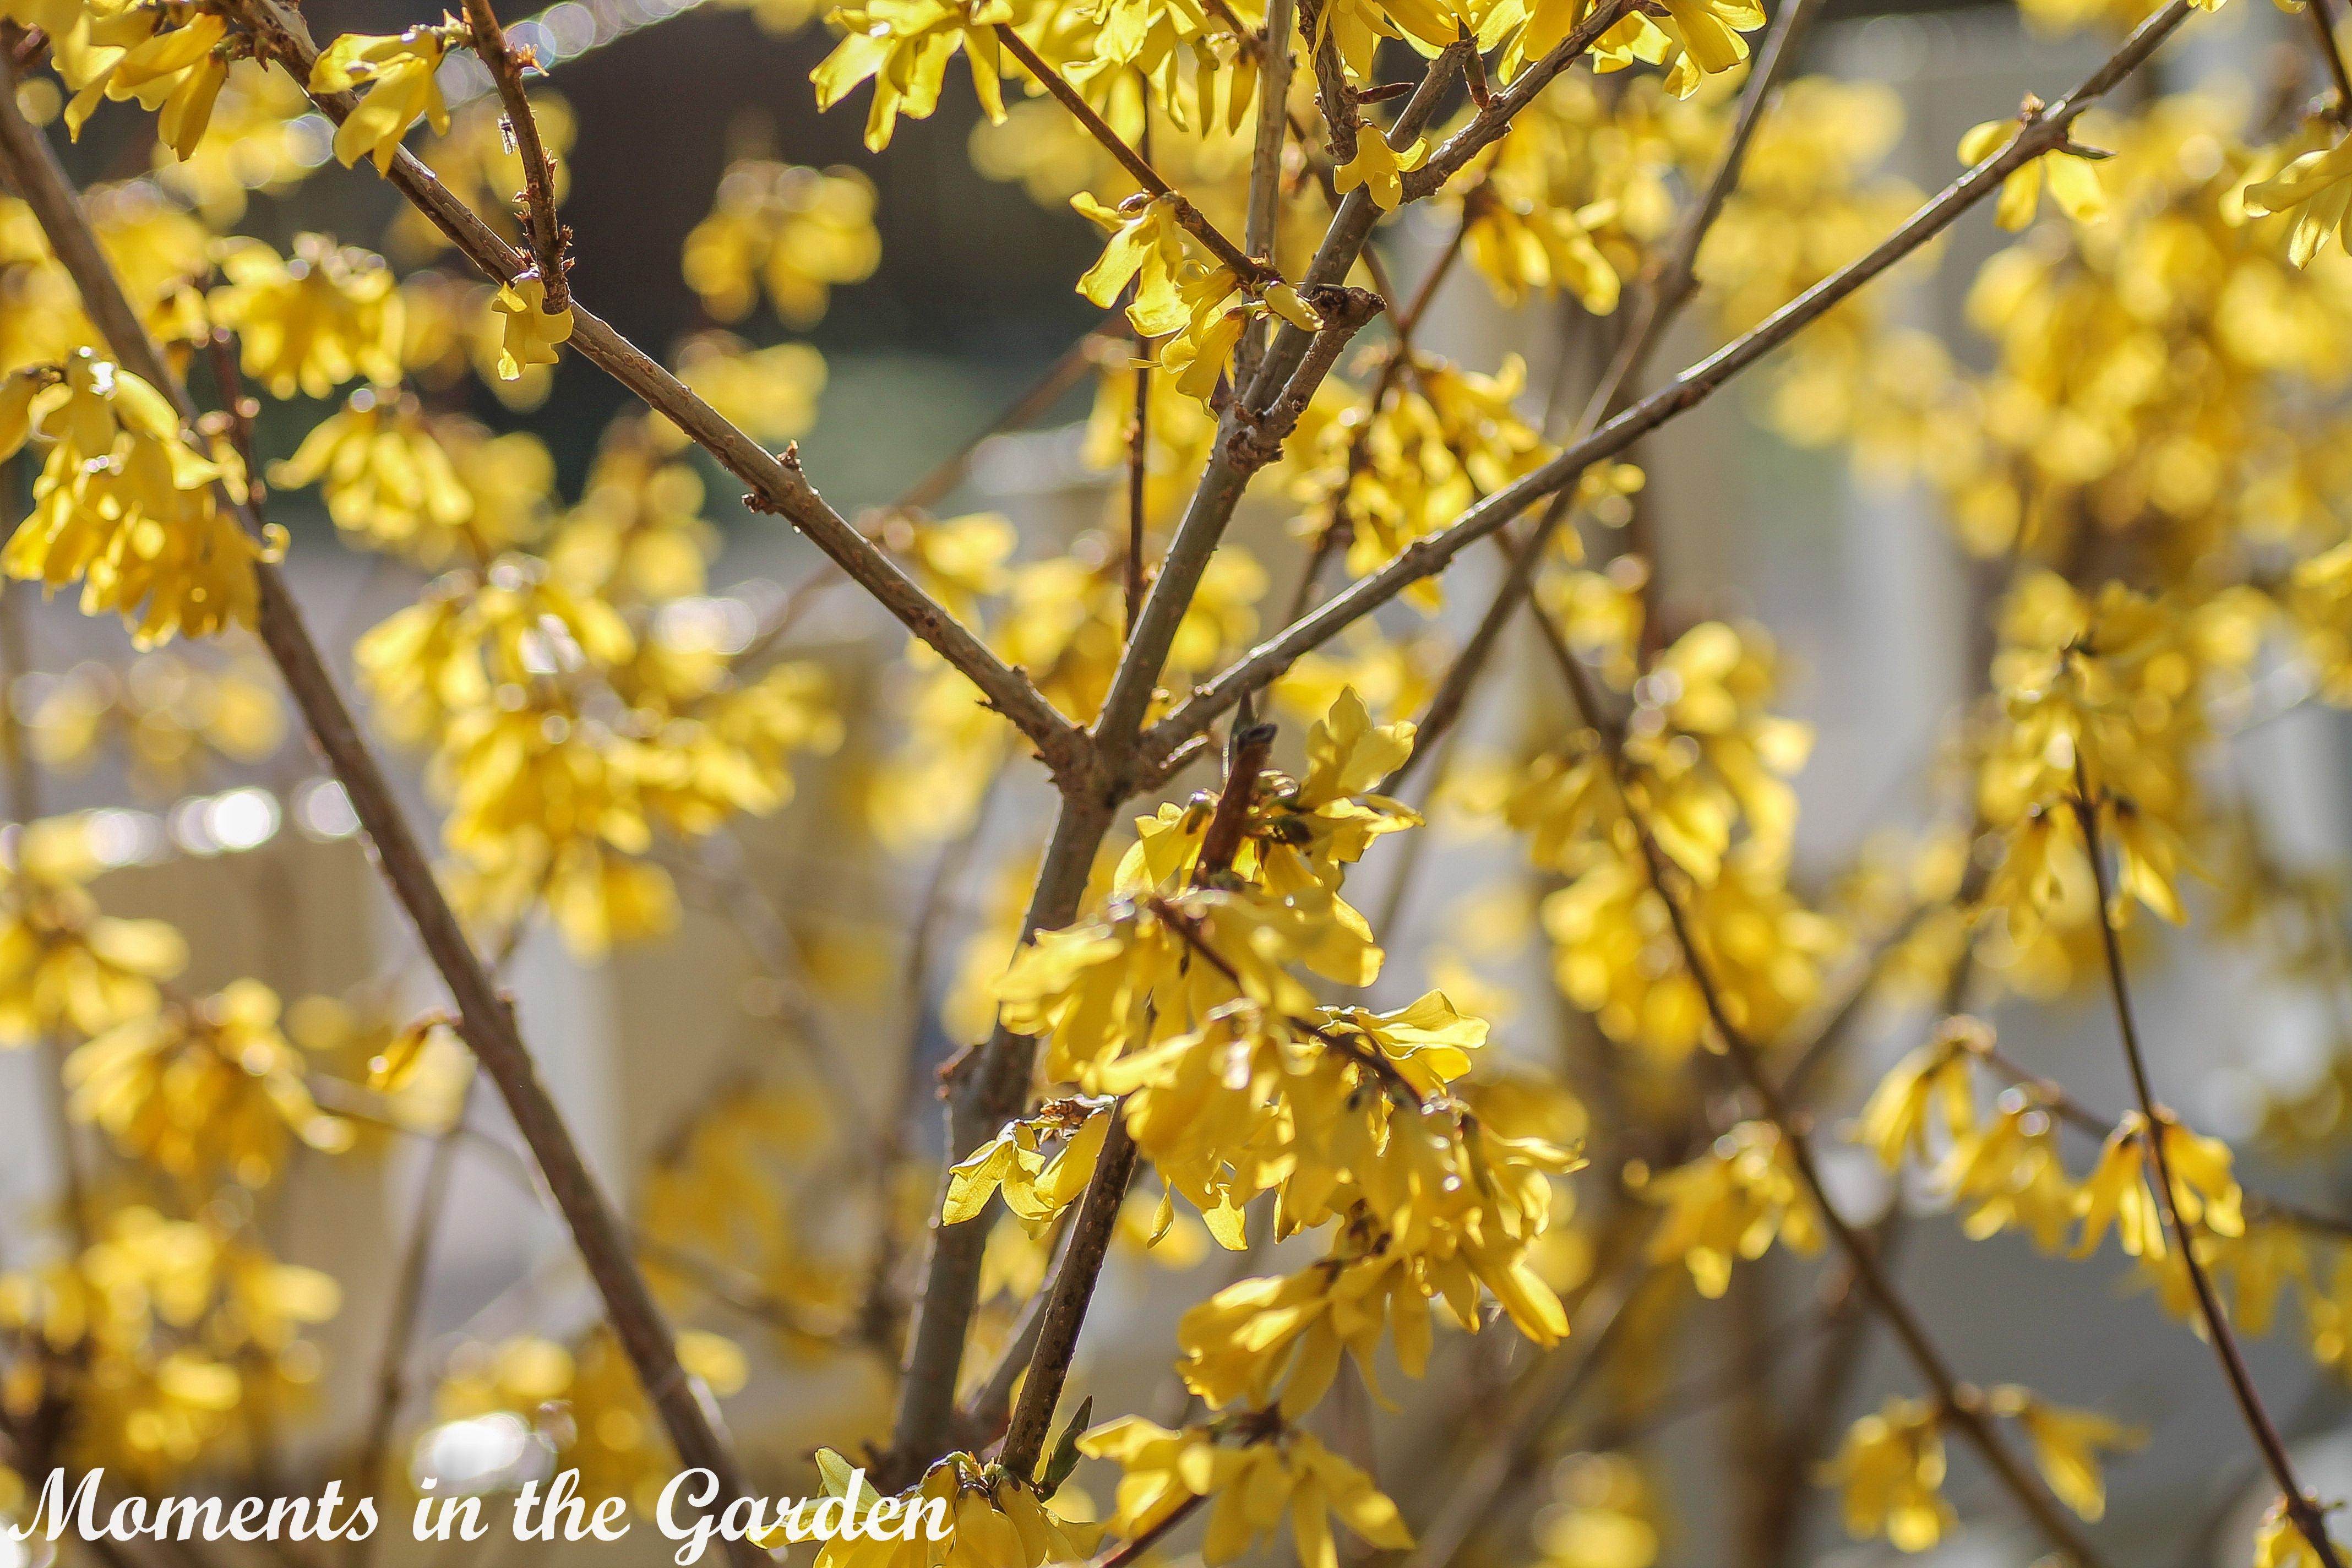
(532,331)
(400,69)
(1892,1468)
(1731,1202)
(1146,245)
(905,46)
(1939,1077)
(2278,1543)
(181,70)
(127,504)
(2320,183)
(798,231)
(1253,1485)
(2074,182)
(1380,168)
(2066,1445)
(1037,1185)
(2120,1190)
(386,478)
(314,323)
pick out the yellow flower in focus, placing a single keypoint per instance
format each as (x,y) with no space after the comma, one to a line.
(1380,168)
(531,331)
(2317,188)
(399,71)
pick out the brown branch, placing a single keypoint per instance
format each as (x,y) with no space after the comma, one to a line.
(776,484)
(1961,1405)
(2300,1507)
(400,1332)
(1431,552)
(485,1021)
(1138,168)
(984,1088)
(1139,445)
(545,231)
(1661,300)
(1221,839)
(1066,1310)
(1076,361)
(1262,221)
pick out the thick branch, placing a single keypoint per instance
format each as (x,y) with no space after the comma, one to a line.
(1065,1312)
(985,1087)
(486,1020)
(1430,555)
(777,484)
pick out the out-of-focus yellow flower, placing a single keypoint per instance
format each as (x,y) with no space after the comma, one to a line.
(2067,1444)
(126,503)
(798,233)
(1939,1079)
(204,1090)
(1892,1470)
(1732,1203)
(2120,1190)
(311,321)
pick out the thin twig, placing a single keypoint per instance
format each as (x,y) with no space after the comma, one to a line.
(1431,552)
(1138,166)
(485,1021)
(400,1332)
(776,483)
(1659,302)
(544,229)
(1262,225)
(2300,1507)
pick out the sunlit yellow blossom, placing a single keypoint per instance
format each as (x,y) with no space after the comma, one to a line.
(398,71)
(531,329)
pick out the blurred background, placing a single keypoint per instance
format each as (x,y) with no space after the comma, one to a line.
(801,940)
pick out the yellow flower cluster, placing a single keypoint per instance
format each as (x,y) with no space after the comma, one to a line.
(562,737)
(1254,1482)
(1179,999)
(1701,758)
(128,504)
(797,233)
(160,1335)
